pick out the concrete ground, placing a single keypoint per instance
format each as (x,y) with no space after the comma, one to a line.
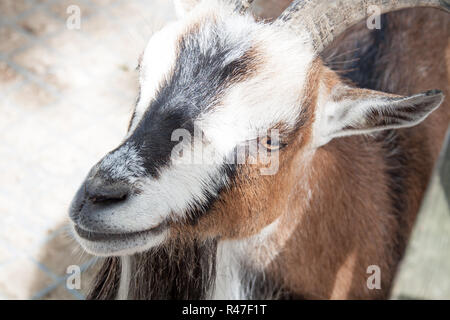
(65,100)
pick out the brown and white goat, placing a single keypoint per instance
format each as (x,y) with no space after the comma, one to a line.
(347,188)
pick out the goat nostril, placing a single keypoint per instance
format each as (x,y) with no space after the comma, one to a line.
(107,193)
(103,198)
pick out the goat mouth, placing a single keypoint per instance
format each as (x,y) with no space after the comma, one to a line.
(100,236)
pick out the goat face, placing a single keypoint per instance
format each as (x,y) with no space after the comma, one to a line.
(204,75)
(225,81)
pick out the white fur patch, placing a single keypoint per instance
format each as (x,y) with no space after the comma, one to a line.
(232,281)
(178,189)
(125,278)
(229,283)
(273,95)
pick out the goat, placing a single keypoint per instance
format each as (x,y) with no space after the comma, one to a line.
(348,184)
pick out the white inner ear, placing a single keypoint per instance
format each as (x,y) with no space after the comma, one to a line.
(322,125)
(333,117)
(338,115)
(356,115)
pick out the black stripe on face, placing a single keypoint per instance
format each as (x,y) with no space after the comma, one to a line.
(203,70)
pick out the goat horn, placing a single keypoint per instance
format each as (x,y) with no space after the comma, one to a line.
(325,20)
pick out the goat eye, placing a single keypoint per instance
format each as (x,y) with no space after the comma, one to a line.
(270,144)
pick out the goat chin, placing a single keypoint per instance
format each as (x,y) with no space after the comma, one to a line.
(119,244)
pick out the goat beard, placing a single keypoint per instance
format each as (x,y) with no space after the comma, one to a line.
(178,269)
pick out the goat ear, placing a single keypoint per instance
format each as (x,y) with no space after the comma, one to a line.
(350,111)
(182,7)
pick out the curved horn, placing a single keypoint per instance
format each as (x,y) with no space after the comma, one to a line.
(325,20)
